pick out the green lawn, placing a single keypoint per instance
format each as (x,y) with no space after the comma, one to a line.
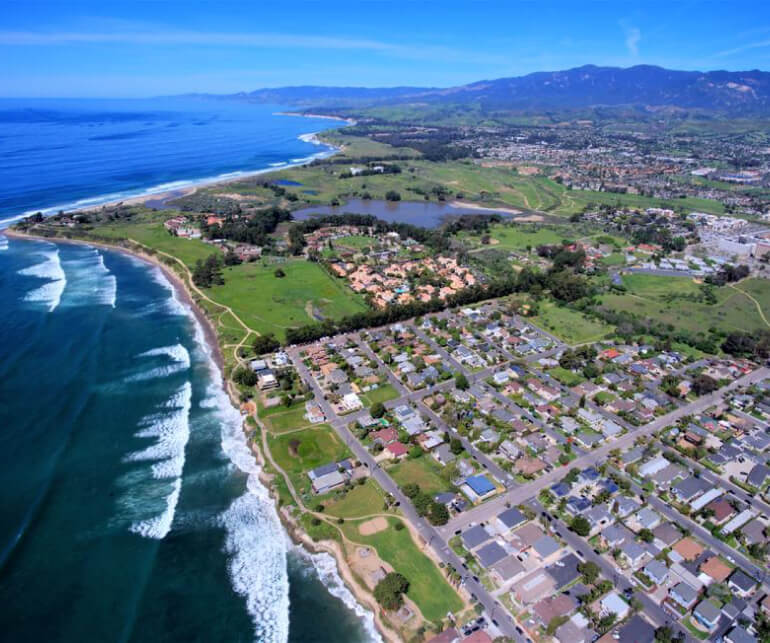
(299,452)
(270,304)
(382,393)
(520,236)
(669,300)
(156,236)
(427,585)
(361,500)
(279,419)
(569,325)
(568,378)
(355,241)
(423,471)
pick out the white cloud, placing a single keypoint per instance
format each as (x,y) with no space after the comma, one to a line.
(253,40)
(633,36)
(761,44)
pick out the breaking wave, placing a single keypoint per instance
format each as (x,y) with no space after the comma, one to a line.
(51,270)
(177,354)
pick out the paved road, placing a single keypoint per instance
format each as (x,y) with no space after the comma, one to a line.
(656,613)
(490,508)
(505,622)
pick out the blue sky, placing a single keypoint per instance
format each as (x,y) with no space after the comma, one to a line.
(149,48)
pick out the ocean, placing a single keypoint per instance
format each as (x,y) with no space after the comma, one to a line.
(130,507)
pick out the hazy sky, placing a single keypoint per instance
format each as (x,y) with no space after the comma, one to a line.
(136,48)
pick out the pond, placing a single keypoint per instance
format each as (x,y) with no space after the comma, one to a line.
(427,214)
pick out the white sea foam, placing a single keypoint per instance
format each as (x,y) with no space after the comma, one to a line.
(3,242)
(108,290)
(159,526)
(50,269)
(174,306)
(177,354)
(326,568)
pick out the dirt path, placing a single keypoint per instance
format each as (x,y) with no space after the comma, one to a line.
(756,303)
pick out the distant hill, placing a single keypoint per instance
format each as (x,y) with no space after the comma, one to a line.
(734,93)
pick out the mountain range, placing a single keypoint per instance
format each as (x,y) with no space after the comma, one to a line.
(735,93)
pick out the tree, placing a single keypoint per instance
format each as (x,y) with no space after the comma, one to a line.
(265,344)
(245,376)
(606,622)
(456,446)
(439,514)
(279,273)
(580,526)
(422,503)
(389,591)
(590,571)
(392,195)
(410,489)
(703,384)
(461,382)
(377,410)
(646,535)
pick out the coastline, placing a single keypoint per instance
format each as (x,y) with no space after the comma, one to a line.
(164,192)
(295,532)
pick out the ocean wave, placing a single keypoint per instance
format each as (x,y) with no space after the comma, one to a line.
(326,568)
(177,353)
(3,243)
(173,305)
(108,293)
(159,526)
(50,269)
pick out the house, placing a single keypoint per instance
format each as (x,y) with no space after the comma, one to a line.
(624,506)
(688,549)
(637,630)
(599,517)
(715,569)
(564,571)
(575,630)
(509,449)
(443,454)
(647,518)
(656,571)
(524,537)
(490,554)
(707,614)
(683,594)
(384,436)
(633,553)
(546,547)
(533,587)
(615,535)
(475,536)
(758,476)
(397,450)
(653,466)
(738,635)
(478,487)
(722,511)
(266,381)
(508,568)
(314,413)
(447,636)
(613,604)
(742,584)
(690,488)
(667,534)
(351,402)
(577,505)
(553,607)
(510,519)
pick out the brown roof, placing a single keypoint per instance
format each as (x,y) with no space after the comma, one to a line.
(722,510)
(667,533)
(553,606)
(715,568)
(688,549)
(447,636)
(528,535)
(528,465)
(479,636)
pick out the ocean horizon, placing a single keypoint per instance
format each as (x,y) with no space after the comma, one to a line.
(131,503)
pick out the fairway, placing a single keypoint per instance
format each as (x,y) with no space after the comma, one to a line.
(427,585)
(270,304)
(520,236)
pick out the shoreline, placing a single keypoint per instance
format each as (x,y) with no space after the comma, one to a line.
(187,187)
(295,532)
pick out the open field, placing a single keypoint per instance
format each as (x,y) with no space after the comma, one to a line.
(423,471)
(299,452)
(670,300)
(280,419)
(270,304)
(427,585)
(516,237)
(571,326)
(156,236)
(381,394)
(361,500)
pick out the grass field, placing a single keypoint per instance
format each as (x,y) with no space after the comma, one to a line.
(360,501)
(299,452)
(666,299)
(427,585)
(520,236)
(423,471)
(380,394)
(568,378)
(570,326)
(156,236)
(280,419)
(271,305)
(355,241)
